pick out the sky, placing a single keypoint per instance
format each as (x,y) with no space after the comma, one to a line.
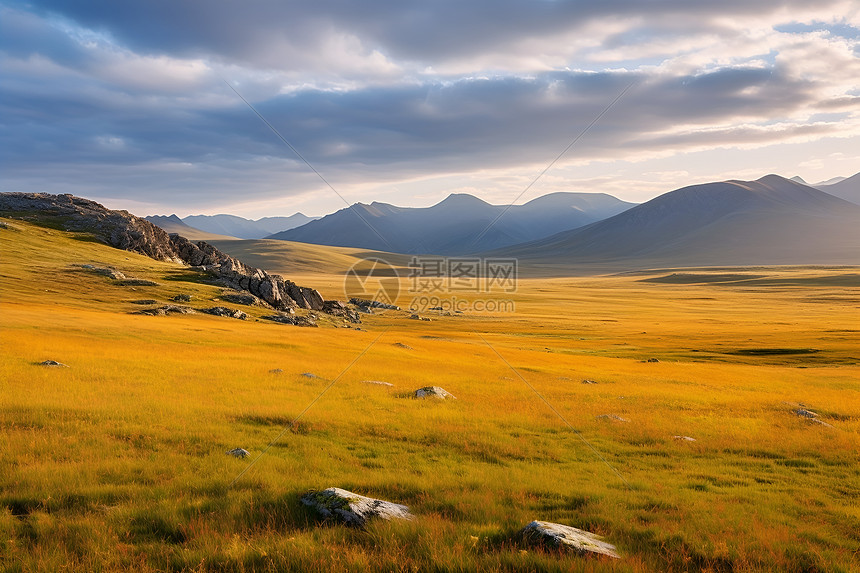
(133,104)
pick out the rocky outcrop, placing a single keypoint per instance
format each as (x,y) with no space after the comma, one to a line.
(166,310)
(566,537)
(338,308)
(352,508)
(123,230)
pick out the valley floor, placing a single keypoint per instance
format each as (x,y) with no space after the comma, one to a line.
(117,462)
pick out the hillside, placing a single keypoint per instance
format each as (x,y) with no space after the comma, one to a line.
(848,189)
(768,221)
(122,230)
(459,224)
(173,224)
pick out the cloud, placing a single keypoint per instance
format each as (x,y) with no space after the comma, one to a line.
(128,99)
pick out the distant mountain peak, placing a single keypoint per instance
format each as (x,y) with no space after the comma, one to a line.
(798,179)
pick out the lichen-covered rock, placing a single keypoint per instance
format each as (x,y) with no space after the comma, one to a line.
(352,508)
(566,537)
(434,392)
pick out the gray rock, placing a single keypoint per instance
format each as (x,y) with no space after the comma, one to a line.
(309,375)
(352,508)
(368,304)
(144,301)
(684,438)
(309,321)
(403,346)
(566,537)
(182,298)
(652,360)
(434,392)
(166,309)
(612,417)
(226,312)
(238,453)
(281,318)
(53,364)
(589,382)
(241,298)
(811,416)
(377,382)
(276,371)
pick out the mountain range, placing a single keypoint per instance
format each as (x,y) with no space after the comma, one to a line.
(458,225)
(239,227)
(772,220)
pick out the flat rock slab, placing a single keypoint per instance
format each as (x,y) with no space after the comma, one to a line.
(434,392)
(566,537)
(225,312)
(53,364)
(352,508)
(377,382)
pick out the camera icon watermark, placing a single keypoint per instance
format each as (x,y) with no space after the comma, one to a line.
(448,285)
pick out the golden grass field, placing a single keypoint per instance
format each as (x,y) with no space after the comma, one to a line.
(118,462)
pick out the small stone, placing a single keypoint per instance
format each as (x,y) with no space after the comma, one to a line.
(403,346)
(589,382)
(53,364)
(352,508)
(377,382)
(684,438)
(434,392)
(238,453)
(309,375)
(182,298)
(652,360)
(566,537)
(276,371)
(612,417)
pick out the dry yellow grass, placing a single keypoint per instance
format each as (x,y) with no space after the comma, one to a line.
(118,463)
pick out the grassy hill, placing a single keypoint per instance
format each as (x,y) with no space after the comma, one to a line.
(118,461)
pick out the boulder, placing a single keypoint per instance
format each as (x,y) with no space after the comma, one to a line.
(366,304)
(566,537)
(238,453)
(226,312)
(352,508)
(313,297)
(434,392)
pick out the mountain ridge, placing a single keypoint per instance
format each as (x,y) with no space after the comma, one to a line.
(459,224)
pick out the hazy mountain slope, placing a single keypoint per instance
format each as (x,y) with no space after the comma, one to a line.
(173,224)
(457,225)
(848,189)
(768,221)
(234,226)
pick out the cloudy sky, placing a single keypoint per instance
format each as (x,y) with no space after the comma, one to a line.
(406,102)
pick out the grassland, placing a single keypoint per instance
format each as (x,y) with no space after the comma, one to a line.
(117,462)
